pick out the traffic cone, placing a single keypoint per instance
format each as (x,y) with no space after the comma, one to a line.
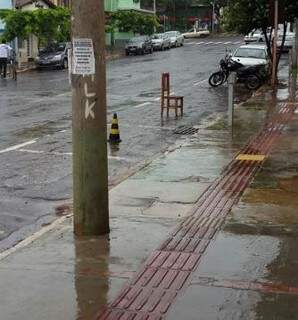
(115,133)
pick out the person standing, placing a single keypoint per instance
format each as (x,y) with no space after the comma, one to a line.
(5,50)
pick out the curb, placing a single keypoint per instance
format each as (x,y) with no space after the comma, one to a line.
(109,57)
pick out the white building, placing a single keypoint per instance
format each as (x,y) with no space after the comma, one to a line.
(27,49)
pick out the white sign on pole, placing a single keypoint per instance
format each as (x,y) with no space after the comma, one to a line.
(83,57)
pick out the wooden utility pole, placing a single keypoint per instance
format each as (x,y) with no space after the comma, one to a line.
(88,77)
(274,60)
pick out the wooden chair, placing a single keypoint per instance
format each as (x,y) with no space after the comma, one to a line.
(167,101)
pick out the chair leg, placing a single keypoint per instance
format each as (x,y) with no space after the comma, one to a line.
(182,106)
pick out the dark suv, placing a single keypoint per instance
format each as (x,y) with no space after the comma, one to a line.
(139,45)
(54,55)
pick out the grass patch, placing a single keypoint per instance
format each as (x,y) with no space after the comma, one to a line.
(221,124)
(294,72)
(254,105)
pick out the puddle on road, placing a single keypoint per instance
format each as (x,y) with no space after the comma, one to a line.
(282,192)
(49,127)
(268,207)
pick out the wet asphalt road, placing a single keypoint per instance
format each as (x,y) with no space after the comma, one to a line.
(35,126)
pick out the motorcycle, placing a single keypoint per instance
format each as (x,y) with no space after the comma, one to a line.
(253,76)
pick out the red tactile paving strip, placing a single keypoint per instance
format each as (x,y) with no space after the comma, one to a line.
(168,269)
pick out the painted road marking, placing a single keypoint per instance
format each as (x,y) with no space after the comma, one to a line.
(18,146)
(142,105)
(218,42)
(63,154)
(159,98)
(199,82)
(51,98)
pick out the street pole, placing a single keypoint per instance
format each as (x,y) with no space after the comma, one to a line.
(154,10)
(164,23)
(89,131)
(295,53)
(212,20)
(231,83)
(274,60)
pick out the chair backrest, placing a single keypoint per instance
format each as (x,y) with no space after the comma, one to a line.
(165,85)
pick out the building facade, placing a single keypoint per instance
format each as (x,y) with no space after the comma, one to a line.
(122,5)
(27,49)
(62,3)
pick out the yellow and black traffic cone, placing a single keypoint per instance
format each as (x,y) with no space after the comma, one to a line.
(115,133)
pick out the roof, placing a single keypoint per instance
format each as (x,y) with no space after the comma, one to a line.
(22,3)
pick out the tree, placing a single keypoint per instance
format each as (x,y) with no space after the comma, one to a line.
(47,24)
(244,16)
(51,25)
(17,24)
(132,21)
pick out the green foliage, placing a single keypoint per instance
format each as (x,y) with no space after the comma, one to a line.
(47,24)
(132,21)
(17,23)
(245,15)
(51,25)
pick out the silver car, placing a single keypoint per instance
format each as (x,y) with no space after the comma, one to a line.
(177,39)
(254,36)
(161,41)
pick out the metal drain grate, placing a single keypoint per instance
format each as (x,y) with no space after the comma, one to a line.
(186,130)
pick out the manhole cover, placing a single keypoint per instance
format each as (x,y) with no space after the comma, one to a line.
(186,130)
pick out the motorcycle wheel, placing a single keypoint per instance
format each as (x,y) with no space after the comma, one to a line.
(216,79)
(252,82)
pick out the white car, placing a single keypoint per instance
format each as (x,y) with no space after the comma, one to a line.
(289,41)
(196,33)
(254,36)
(251,55)
(176,38)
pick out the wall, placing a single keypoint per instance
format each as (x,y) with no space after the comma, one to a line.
(111,5)
(128,4)
(28,49)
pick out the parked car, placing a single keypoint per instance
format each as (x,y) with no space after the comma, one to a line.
(254,36)
(196,33)
(176,38)
(139,45)
(289,41)
(251,55)
(161,41)
(55,55)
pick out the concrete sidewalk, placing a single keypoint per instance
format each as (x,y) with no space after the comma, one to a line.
(248,272)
